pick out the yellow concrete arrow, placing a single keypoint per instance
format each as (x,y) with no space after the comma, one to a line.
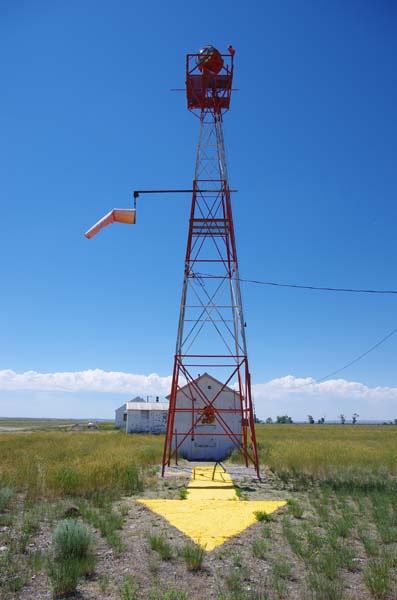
(212,512)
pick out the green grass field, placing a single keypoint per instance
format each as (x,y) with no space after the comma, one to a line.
(24,424)
(330,453)
(50,464)
(336,539)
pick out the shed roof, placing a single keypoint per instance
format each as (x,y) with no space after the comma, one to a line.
(203,376)
(147,406)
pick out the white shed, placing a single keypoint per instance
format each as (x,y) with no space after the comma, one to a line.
(206,440)
(139,416)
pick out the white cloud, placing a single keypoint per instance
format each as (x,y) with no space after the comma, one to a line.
(92,380)
(299,397)
(333,387)
(295,396)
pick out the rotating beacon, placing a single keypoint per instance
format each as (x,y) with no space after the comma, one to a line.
(211,410)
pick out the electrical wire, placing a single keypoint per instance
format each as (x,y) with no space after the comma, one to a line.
(306,287)
(359,357)
(327,289)
(330,289)
(349,364)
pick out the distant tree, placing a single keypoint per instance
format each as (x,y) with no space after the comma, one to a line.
(256,419)
(395,421)
(310,419)
(321,421)
(354,418)
(269,420)
(284,419)
(342,419)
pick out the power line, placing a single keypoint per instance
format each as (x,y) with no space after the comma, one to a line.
(355,360)
(318,288)
(330,289)
(307,287)
(350,363)
(324,289)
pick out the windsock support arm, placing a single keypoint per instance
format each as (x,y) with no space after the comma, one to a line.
(137,193)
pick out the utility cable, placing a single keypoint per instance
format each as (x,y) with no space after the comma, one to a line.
(307,287)
(327,289)
(330,289)
(350,363)
(355,360)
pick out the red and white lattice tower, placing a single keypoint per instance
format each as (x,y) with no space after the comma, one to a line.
(211,330)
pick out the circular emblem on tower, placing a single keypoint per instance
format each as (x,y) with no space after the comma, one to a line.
(208,416)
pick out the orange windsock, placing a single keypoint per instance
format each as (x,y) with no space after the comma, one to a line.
(119,215)
(124,215)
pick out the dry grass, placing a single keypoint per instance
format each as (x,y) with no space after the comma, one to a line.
(341,456)
(315,447)
(339,529)
(53,465)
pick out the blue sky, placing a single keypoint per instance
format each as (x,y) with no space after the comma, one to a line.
(87,116)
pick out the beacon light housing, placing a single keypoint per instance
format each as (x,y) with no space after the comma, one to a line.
(209,59)
(117,215)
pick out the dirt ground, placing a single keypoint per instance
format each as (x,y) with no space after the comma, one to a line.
(229,571)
